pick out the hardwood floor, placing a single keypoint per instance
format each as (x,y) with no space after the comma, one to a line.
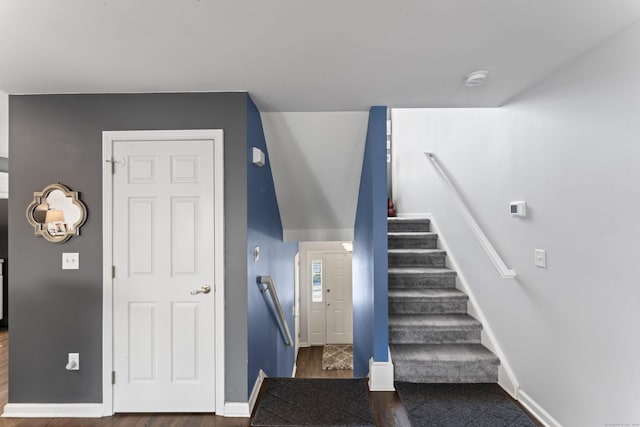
(309,365)
(385,405)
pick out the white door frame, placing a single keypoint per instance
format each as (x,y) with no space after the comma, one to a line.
(108,137)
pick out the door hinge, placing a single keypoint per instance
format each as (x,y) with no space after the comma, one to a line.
(113,377)
(113,271)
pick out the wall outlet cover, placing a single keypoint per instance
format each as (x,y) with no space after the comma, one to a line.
(70,261)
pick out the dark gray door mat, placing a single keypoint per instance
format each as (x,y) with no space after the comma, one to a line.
(314,402)
(459,405)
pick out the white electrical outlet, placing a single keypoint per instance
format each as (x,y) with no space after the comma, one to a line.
(73,362)
(541,258)
(70,260)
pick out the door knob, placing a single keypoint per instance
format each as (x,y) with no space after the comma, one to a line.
(329,303)
(203,290)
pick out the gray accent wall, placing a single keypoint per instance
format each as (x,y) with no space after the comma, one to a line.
(58,138)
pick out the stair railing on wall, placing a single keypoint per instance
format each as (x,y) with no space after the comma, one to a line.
(502,268)
(282,323)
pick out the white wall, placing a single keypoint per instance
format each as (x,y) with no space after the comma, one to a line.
(569,147)
(316,159)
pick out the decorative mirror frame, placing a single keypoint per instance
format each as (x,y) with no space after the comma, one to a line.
(40,197)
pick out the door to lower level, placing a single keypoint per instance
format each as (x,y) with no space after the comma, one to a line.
(331,306)
(163,232)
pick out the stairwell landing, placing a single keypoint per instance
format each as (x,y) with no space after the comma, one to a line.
(431,336)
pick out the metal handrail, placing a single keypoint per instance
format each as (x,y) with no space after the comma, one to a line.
(504,271)
(282,323)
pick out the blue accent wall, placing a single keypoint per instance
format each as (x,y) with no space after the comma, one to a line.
(267,350)
(370,275)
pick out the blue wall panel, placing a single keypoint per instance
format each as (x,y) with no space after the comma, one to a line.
(370,310)
(267,350)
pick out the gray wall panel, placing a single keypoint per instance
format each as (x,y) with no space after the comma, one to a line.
(58,138)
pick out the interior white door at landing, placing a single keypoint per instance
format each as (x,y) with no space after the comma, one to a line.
(330,319)
(163,248)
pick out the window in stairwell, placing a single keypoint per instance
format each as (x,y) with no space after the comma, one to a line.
(316,280)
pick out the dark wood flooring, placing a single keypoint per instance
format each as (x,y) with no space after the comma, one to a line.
(386,406)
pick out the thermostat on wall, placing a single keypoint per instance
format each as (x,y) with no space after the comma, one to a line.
(518,209)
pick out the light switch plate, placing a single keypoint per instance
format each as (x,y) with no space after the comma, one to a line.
(70,261)
(541,258)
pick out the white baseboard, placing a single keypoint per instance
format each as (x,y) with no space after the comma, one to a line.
(536,410)
(53,410)
(381,375)
(236,410)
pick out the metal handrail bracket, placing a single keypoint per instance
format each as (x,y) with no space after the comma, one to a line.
(282,323)
(500,265)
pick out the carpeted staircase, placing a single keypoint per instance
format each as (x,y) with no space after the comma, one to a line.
(431,336)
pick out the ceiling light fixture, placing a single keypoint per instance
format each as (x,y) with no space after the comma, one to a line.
(476,78)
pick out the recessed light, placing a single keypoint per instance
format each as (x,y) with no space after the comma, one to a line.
(476,78)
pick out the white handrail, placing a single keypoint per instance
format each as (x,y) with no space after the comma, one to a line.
(282,322)
(504,271)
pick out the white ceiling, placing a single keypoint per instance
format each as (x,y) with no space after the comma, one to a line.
(296,55)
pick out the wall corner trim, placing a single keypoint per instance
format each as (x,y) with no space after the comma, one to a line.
(256,390)
(538,411)
(381,375)
(53,410)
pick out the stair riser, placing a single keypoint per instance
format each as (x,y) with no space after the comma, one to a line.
(408,226)
(403,242)
(421,281)
(446,372)
(417,260)
(427,307)
(412,336)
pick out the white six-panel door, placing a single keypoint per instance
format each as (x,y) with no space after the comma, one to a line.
(163,252)
(338,305)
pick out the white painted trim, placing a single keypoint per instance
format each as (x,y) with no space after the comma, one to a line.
(107,280)
(108,137)
(537,411)
(495,258)
(381,375)
(253,398)
(508,379)
(53,410)
(337,234)
(236,410)
(305,344)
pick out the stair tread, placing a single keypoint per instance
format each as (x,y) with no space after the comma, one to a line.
(426,293)
(418,251)
(454,353)
(406,219)
(433,321)
(415,234)
(435,271)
